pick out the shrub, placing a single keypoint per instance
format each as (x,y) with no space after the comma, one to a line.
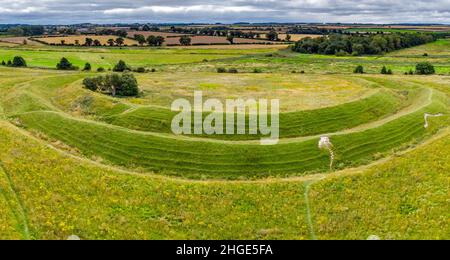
(425,54)
(91,84)
(9,63)
(121,66)
(18,62)
(101,69)
(65,64)
(302,72)
(232,70)
(140,70)
(3,63)
(257,70)
(359,70)
(425,68)
(153,70)
(221,70)
(185,40)
(389,72)
(114,84)
(341,53)
(384,70)
(87,67)
(128,85)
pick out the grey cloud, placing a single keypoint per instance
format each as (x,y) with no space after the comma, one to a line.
(111,11)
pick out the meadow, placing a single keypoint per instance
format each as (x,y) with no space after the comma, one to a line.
(77,162)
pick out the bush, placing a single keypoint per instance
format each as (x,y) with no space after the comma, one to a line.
(359,70)
(341,53)
(121,66)
(140,70)
(384,70)
(9,63)
(65,64)
(257,70)
(128,85)
(153,70)
(425,54)
(114,84)
(3,63)
(101,69)
(425,68)
(221,70)
(91,84)
(18,62)
(232,70)
(389,72)
(87,67)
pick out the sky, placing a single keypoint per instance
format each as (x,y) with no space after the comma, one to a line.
(223,11)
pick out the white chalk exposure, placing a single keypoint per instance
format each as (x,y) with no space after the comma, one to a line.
(426,116)
(325,144)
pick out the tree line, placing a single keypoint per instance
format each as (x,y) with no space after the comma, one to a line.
(338,44)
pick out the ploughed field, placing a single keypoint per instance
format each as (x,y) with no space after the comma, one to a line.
(69,154)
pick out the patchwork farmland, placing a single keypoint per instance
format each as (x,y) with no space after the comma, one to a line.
(69,154)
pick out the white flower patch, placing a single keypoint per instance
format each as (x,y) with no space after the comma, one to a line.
(426,116)
(325,144)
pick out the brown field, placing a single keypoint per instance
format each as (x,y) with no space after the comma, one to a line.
(71,39)
(18,40)
(298,37)
(236,46)
(174,39)
(146,34)
(216,40)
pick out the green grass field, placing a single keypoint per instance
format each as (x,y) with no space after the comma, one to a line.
(77,162)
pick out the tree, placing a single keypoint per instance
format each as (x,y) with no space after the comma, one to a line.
(146,27)
(111,42)
(121,66)
(384,70)
(272,35)
(63,42)
(160,40)
(151,40)
(128,85)
(140,39)
(65,64)
(121,33)
(18,62)
(87,67)
(359,70)
(114,84)
(97,43)
(120,41)
(91,83)
(185,40)
(425,68)
(16,31)
(288,37)
(230,38)
(88,41)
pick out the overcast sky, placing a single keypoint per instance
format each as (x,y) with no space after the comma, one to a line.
(226,11)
